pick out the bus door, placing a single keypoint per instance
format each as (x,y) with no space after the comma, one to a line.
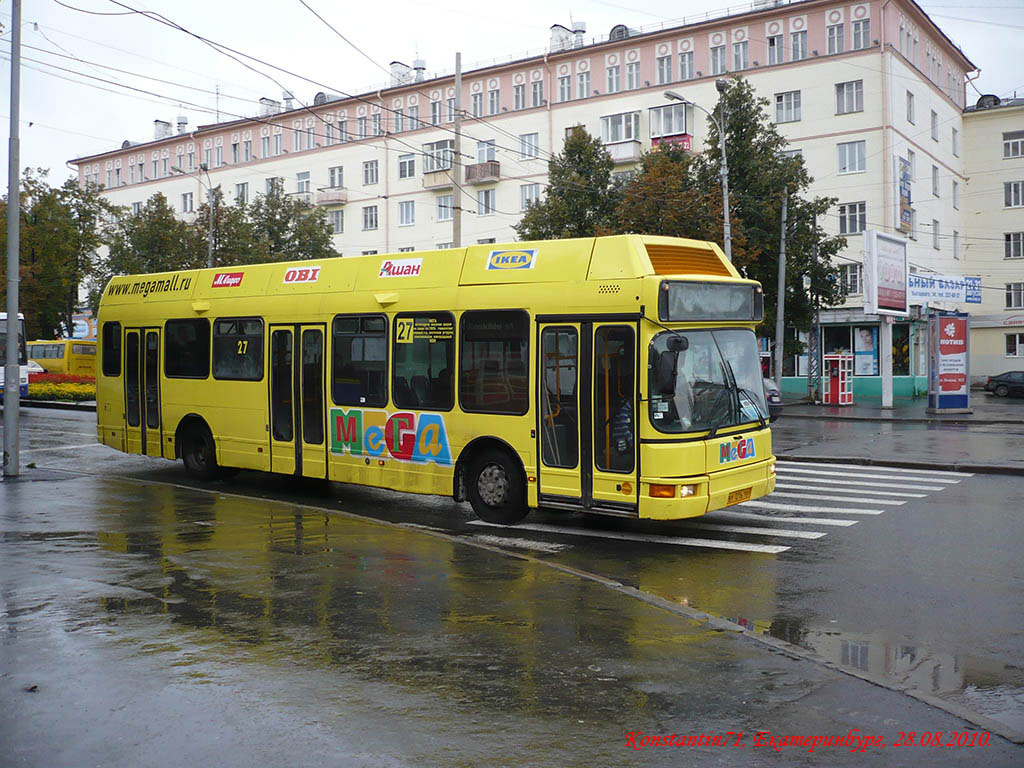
(142,391)
(587,430)
(297,440)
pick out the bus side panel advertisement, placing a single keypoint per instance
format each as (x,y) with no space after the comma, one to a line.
(403,435)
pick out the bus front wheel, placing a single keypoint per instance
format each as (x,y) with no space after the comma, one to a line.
(496,487)
(200,454)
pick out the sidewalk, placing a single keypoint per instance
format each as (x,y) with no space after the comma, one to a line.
(987,409)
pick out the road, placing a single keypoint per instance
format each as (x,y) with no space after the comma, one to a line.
(911,579)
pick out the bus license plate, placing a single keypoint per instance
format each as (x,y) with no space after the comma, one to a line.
(737,496)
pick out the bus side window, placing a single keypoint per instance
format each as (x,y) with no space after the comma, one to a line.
(111,349)
(238,348)
(494,353)
(359,360)
(614,428)
(187,349)
(423,349)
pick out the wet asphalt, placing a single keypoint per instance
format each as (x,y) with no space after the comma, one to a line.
(262,622)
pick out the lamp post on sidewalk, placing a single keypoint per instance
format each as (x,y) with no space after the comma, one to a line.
(722,85)
(209,204)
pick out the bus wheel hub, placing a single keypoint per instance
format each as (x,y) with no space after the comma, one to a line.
(493,485)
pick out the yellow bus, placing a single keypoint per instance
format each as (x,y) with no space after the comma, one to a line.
(615,375)
(72,356)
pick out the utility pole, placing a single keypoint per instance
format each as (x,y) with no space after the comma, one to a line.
(780,304)
(12,363)
(813,353)
(457,159)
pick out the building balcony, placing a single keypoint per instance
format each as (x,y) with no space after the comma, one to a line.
(624,151)
(333,196)
(437,179)
(481,173)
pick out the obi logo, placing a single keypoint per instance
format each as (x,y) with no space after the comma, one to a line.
(400,268)
(303,275)
(741,449)
(404,436)
(512,259)
(227,279)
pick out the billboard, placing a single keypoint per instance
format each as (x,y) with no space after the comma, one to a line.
(949,380)
(951,288)
(905,219)
(886,274)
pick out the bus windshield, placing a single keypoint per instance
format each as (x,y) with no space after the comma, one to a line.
(705,380)
(21,342)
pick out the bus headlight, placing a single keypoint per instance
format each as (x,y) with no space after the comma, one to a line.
(687,490)
(771,469)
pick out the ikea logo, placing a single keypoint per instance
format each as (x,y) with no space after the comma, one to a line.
(512,259)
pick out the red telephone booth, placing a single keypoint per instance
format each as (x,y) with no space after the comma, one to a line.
(837,379)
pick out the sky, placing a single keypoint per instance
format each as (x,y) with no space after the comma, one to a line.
(71,112)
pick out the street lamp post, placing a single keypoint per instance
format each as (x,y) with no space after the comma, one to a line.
(209,205)
(721,85)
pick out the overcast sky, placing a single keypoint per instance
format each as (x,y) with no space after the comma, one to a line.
(70,113)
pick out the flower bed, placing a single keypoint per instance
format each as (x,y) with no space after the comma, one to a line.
(59,378)
(66,390)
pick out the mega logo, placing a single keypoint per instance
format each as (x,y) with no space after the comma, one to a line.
(741,449)
(404,436)
(512,259)
(400,268)
(227,279)
(303,275)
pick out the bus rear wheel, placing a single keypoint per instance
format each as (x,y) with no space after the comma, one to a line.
(200,454)
(496,488)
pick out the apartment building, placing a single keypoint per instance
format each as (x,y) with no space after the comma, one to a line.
(863,91)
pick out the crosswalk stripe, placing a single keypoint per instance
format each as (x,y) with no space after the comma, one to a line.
(784,533)
(800,487)
(722,514)
(870,475)
(771,549)
(805,508)
(871,484)
(900,470)
(838,499)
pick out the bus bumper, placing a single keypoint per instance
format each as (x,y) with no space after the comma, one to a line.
(709,492)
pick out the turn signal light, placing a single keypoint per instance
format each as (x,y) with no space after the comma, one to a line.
(662,491)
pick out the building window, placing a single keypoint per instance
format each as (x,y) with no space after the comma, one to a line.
(414,113)
(131,174)
(445,246)
(186,203)
(956,196)
(798,45)
(437,156)
(613,79)
(1013,194)
(337,221)
(633,75)
(296,140)
(207,159)
(449,110)
(359,370)
(369,217)
(406,166)
(935,234)
(371,252)
(530,194)
(851,277)
(529,145)
(718,60)
(910,108)
(852,157)
(956,244)
(624,126)
(935,180)
(136,208)
(335,177)
(445,207)
(220,157)
(302,182)
(861,34)
(485,150)
(775,55)
(435,113)
(235,153)
(242,193)
(476,105)
(852,218)
(406,213)
(686,70)
(935,125)
(406,249)
(565,88)
(493,102)
(485,202)
(1015,345)
(278,141)
(912,162)
(1015,295)
(956,143)
(1014,245)
(787,107)
(247,151)
(329,134)
(191,164)
(1013,144)
(370,172)
(494,361)
(423,353)
(836,38)
(274,185)
(376,124)
(669,120)
(740,59)
(850,97)
(537,93)
(518,97)
(664,69)
(582,85)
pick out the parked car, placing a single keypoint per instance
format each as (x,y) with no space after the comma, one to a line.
(774,397)
(1009,383)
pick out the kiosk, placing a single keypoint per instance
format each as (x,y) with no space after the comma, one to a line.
(837,379)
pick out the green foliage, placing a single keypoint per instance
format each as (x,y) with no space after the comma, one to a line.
(286,229)
(580,199)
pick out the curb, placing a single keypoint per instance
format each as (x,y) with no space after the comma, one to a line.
(985,469)
(58,405)
(903,419)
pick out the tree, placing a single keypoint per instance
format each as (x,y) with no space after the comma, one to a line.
(581,198)
(234,236)
(287,229)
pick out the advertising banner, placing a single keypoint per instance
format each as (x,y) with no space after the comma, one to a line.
(865,351)
(905,220)
(886,271)
(951,288)
(949,374)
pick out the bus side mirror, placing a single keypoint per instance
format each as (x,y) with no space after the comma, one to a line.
(665,372)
